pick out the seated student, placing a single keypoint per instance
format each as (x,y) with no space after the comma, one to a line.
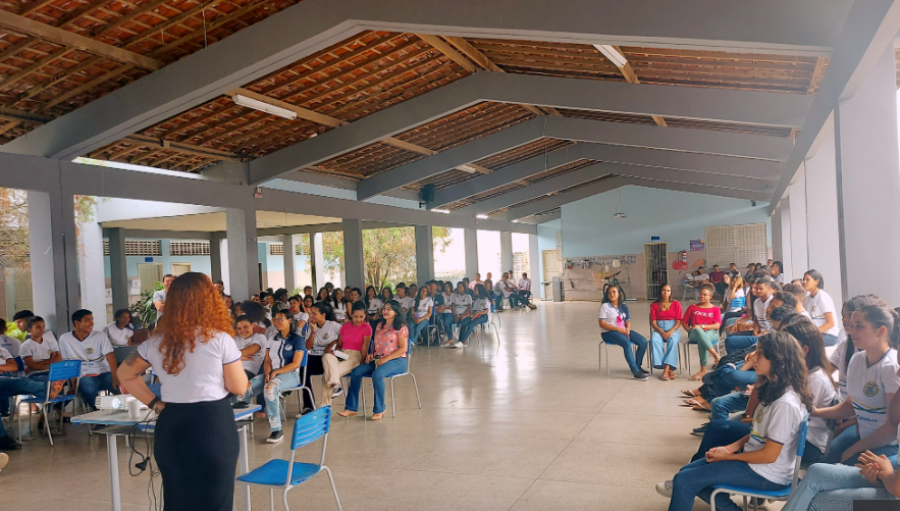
(422,309)
(354,336)
(307,291)
(386,294)
(308,302)
(701,276)
(776,269)
(615,327)
(406,302)
(765,290)
(324,336)
(872,383)
(446,317)
(19,328)
(717,279)
(763,459)
(477,280)
(120,331)
(508,291)
(374,304)
(324,295)
(702,320)
(734,301)
(338,306)
(8,342)
(280,371)
(12,386)
(524,286)
(412,291)
(355,296)
(800,294)
(39,350)
(821,306)
(387,357)
(845,350)
(665,324)
(251,345)
(461,303)
(434,291)
(782,299)
(98,362)
(478,316)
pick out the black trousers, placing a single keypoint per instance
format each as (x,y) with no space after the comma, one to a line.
(196,448)
(314,367)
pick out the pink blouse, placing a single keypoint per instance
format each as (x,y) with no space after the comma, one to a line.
(673,314)
(387,340)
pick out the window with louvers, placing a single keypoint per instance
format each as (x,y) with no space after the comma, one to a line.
(739,244)
(138,248)
(189,248)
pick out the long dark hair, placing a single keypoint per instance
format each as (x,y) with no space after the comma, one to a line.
(419,294)
(366,298)
(850,306)
(481,291)
(606,298)
(788,369)
(255,312)
(807,334)
(659,298)
(398,315)
(326,310)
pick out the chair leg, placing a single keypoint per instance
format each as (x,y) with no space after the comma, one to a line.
(393,408)
(311,398)
(284,497)
(47,423)
(416,385)
(337,499)
(272,499)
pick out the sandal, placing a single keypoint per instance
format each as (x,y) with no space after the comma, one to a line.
(700,408)
(377,416)
(697,377)
(691,393)
(347,413)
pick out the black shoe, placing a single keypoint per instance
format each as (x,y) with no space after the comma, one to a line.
(8,444)
(641,376)
(645,371)
(240,405)
(700,431)
(275,438)
(303,412)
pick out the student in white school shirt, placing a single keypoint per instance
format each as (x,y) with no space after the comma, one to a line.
(461,303)
(872,384)
(120,331)
(98,362)
(821,307)
(39,350)
(7,342)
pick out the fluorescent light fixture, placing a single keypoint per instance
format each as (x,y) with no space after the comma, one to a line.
(264,107)
(483,217)
(612,54)
(467,168)
(515,221)
(441,211)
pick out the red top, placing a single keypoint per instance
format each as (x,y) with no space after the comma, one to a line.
(696,316)
(673,314)
(716,276)
(352,336)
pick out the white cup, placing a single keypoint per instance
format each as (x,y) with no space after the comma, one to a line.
(134,409)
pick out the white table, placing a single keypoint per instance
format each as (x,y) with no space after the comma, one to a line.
(120,424)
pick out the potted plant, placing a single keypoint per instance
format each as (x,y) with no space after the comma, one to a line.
(143,309)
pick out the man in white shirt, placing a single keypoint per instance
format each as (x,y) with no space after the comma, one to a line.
(159,297)
(701,276)
(525,287)
(98,361)
(507,290)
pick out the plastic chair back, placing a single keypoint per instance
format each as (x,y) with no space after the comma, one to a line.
(20,364)
(305,359)
(65,370)
(738,303)
(801,447)
(311,427)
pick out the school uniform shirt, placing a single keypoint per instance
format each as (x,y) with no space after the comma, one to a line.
(203,376)
(281,350)
(4,356)
(159,296)
(340,311)
(779,422)
(759,312)
(481,304)
(460,302)
(375,306)
(10,344)
(91,351)
(868,387)
(448,302)
(822,388)
(38,351)
(779,278)
(739,300)
(438,300)
(613,316)
(820,305)
(694,316)
(525,284)
(505,288)
(838,360)
(252,366)
(352,336)
(702,276)
(406,302)
(424,304)
(117,336)
(325,335)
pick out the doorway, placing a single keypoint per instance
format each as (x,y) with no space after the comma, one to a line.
(180,268)
(149,274)
(655,266)
(552,260)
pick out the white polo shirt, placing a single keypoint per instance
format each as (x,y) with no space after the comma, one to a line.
(39,351)
(460,302)
(257,359)
(203,375)
(777,422)
(117,336)
(525,284)
(820,305)
(424,304)
(838,361)
(10,344)
(759,311)
(92,351)
(868,387)
(325,335)
(481,304)
(406,302)
(4,356)
(822,388)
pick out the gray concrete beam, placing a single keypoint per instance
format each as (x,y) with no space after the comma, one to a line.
(562,199)
(118,270)
(354,264)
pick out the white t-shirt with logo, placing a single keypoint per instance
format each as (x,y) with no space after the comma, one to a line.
(406,302)
(481,304)
(257,358)
(39,351)
(525,284)
(375,306)
(10,344)
(91,351)
(822,388)
(868,387)
(460,302)
(778,422)
(340,310)
(203,376)
(759,311)
(424,304)
(448,302)
(325,335)
(117,336)
(5,355)
(820,305)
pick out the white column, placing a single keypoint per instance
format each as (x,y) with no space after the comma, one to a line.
(471,237)
(799,258)
(317,263)
(506,253)
(243,254)
(90,266)
(786,256)
(424,253)
(354,266)
(868,183)
(54,280)
(290,274)
(823,240)
(534,266)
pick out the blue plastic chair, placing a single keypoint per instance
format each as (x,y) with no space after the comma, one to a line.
(288,474)
(782,494)
(299,389)
(60,371)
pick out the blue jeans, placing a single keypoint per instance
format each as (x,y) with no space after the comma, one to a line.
(447,321)
(466,330)
(834,488)
(513,300)
(738,342)
(697,478)
(272,391)
(415,329)
(720,433)
(830,340)
(725,405)
(386,370)
(670,357)
(845,440)
(90,386)
(619,339)
(10,387)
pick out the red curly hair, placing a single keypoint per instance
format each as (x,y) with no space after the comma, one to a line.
(194,311)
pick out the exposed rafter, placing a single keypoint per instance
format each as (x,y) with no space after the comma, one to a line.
(615,55)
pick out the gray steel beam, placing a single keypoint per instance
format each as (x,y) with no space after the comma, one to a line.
(540,219)
(564,198)
(704,189)
(798,27)
(870,29)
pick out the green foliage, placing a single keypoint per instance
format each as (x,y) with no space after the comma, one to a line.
(144,309)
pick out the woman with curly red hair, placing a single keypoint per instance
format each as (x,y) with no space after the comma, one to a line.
(198,364)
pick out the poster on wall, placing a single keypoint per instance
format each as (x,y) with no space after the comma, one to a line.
(697,245)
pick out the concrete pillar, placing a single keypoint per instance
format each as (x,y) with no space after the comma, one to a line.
(354,267)
(506,252)
(243,252)
(424,254)
(215,258)
(54,260)
(786,255)
(799,253)
(777,252)
(118,269)
(471,237)
(534,265)
(90,270)
(289,274)
(822,236)
(868,183)
(317,261)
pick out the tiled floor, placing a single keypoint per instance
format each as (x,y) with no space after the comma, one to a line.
(527,425)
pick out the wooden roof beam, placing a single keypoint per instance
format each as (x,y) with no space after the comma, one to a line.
(615,55)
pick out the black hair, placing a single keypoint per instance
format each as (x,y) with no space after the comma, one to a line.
(242,317)
(2,326)
(80,314)
(607,300)
(389,292)
(32,320)
(767,281)
(807,334)
(883,316)
(399,321)
(120,312)
(329,284)
(817,276)
(850,306)
(708,287)
(326,310)
(263,295)
(319,297)
(795,290)
(788,299)
(358,306)
(281,295)
(788,369)
(779,265)
(255,312)
(400,286)
(783,313)
(419,294)
(481,292)
(295,297)
(22,314)
(659,298)
(358,291)
(288,315)
(444,286)
(218,282)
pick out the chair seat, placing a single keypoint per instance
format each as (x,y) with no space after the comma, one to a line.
(782,493)
(274,473)
(62,398)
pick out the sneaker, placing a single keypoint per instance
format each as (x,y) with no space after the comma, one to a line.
(275,438)
(336,391)
(4,460)
(700,431)
(303,412)
(8,444)
(532,306)
(645,371)
(458,344)
(449,344)
(641,376)
(665,488)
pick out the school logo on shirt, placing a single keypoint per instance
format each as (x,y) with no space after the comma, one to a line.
(288,347)
(759,415)
(325,336)
(871,389)
(89,351)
